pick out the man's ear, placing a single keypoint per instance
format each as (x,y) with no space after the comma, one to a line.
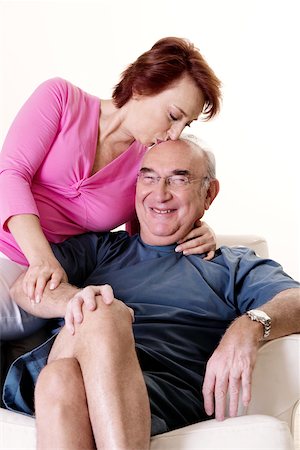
(212,192)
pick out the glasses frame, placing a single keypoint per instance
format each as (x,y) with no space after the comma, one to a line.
(155,179)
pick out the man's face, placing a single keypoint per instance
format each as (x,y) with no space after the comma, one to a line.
(167,212)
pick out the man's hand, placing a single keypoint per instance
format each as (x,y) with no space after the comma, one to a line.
(87,297)
(230,368)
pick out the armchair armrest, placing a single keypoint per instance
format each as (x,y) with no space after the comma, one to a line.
(277,395)
(257,243)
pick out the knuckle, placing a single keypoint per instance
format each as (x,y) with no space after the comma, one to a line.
(30,276)
(220,394)
(206,390)
(234,391)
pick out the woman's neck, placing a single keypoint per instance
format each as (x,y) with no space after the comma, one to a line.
(113,137)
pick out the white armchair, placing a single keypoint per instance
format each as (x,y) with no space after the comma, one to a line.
(270,421)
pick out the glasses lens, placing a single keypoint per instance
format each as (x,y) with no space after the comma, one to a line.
(147,178)
(178,181)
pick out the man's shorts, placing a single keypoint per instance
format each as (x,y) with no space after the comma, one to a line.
(173,403)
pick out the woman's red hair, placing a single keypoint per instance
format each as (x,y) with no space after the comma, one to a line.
(157,69)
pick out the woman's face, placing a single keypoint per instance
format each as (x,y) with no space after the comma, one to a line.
(163,116)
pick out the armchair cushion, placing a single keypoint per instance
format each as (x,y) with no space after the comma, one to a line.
(247,432)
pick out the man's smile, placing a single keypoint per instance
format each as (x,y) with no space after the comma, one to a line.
(162,211)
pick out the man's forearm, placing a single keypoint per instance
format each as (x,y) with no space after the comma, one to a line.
(53,303)
(284,310)
(231,364)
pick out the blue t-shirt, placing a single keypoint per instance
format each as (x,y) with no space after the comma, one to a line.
(182,304)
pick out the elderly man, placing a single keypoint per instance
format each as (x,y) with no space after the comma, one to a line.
(134,361)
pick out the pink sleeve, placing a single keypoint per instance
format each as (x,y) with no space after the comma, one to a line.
(28,141)
(133,227)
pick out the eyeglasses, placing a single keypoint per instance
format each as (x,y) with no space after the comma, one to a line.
(174,182)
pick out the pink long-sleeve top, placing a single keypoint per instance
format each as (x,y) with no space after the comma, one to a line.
(45,168)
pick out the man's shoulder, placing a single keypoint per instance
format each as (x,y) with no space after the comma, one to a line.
(243,260)
(240,259)
(235,253)
(111,243)
(114,237)
(90,242)
(108,238)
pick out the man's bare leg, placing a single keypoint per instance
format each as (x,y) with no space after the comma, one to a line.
(116,394)
(62,417)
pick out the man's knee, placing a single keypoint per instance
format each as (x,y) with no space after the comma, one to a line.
(58,381)
(107,328)
(112,321)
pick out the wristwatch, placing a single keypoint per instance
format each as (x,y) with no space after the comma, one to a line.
(263,318)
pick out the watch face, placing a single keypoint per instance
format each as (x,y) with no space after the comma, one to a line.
(260,314)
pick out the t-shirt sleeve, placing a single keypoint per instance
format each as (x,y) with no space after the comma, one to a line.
(258,280)
(78,256)
(27,143)
(81,255)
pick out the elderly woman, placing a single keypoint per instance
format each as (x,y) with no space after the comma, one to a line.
(70,161)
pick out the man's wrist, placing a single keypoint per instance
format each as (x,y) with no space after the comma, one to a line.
(245,330)
(259,316)
(54,302)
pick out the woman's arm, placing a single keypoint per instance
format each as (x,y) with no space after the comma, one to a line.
(43,265)
(25,148)
(133,227)
(27,144)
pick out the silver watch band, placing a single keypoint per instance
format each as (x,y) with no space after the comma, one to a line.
(260,316)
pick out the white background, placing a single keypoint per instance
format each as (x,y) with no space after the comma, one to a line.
(252,45)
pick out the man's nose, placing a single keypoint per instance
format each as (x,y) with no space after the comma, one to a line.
(161,190)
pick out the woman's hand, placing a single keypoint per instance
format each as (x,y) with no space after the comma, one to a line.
(39,273)
(201,239)
(43,266)
(87,297)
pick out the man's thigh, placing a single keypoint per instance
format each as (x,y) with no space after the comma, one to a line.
(63,346)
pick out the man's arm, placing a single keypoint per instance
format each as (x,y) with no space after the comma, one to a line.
(231,365)
(56,303)
(53,304)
